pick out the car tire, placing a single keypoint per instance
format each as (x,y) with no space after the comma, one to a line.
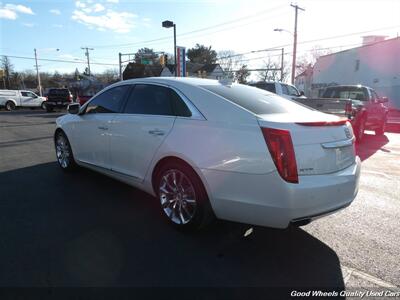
(43,105)
(360,131)
(49,109)
(183,199)
(10,106)
(64,155)
(381,130)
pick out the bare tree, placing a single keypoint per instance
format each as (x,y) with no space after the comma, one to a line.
(7,66)
(273,71)
(229,61)
(308,60)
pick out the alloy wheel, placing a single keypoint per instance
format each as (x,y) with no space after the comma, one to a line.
(177,197)
(63,151)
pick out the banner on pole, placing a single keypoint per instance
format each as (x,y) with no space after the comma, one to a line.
(180,61)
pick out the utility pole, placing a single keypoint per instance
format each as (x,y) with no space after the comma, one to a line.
(120,66)
(282,64)
(87,55)
(296,8)
(38,74)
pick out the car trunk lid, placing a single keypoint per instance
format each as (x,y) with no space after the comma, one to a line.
(323,143)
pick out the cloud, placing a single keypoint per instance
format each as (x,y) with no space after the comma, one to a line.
(10,11)
(112,1)
(98,7)
(80,4)
(120,22)
(7,14)
(28,24)
(19,9)
(55,11)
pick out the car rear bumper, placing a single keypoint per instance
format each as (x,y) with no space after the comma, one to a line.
(57,105)
(267,200)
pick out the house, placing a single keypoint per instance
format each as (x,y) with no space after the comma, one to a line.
(210,71)
(376,64)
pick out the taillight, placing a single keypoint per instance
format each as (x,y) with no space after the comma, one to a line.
(70,98)
(279,143)
(324,123)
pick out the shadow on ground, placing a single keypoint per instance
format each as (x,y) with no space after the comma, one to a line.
(370,144)
(84,229)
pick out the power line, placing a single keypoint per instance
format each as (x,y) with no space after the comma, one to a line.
(193,31)
(314,40)
(59,60)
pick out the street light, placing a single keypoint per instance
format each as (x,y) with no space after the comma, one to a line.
(294,50)
(169,24)
(37,68)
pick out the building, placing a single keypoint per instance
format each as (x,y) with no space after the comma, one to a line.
(375,64)
(303,81)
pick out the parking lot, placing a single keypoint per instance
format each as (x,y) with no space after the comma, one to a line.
(84,229)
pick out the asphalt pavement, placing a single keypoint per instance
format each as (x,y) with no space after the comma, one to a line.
(84,229)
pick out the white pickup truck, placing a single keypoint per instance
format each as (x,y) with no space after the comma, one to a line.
(11,99)
(287,91)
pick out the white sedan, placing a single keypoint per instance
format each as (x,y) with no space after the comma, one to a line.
(209,149)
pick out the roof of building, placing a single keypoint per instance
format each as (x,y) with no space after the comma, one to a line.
(363,46)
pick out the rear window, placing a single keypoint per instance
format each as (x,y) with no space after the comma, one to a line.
(354,93)
(270,87)
(61,92)
(256,100)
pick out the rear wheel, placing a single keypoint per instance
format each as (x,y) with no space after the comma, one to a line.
(381,130)
(183,198)
(65,157)
(10,106)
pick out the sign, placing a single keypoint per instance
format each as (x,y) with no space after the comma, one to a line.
(180,61)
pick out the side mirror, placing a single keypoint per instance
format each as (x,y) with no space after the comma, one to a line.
(74,108)
(301,93)
(384,99)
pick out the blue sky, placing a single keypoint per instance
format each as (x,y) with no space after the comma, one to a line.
(108,25)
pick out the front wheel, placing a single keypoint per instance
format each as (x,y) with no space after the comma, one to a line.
(381,130)
(65,157)
(43,105)
(183,198)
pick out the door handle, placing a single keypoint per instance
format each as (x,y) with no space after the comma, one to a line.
(103,128)
(156,132)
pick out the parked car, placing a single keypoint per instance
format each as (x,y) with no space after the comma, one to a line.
(58,98)
(12,99)
(360,104)
(207,149)
(82,99)
(287,91)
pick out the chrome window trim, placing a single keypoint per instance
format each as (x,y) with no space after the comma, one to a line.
(196,114)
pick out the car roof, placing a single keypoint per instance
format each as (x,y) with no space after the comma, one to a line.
(193,81)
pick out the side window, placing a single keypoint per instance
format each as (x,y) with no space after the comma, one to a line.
(179,105)
(293,91)
(32,95)
(108,102)
(285,89)
(24,94)
(149,100)
(374,96)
